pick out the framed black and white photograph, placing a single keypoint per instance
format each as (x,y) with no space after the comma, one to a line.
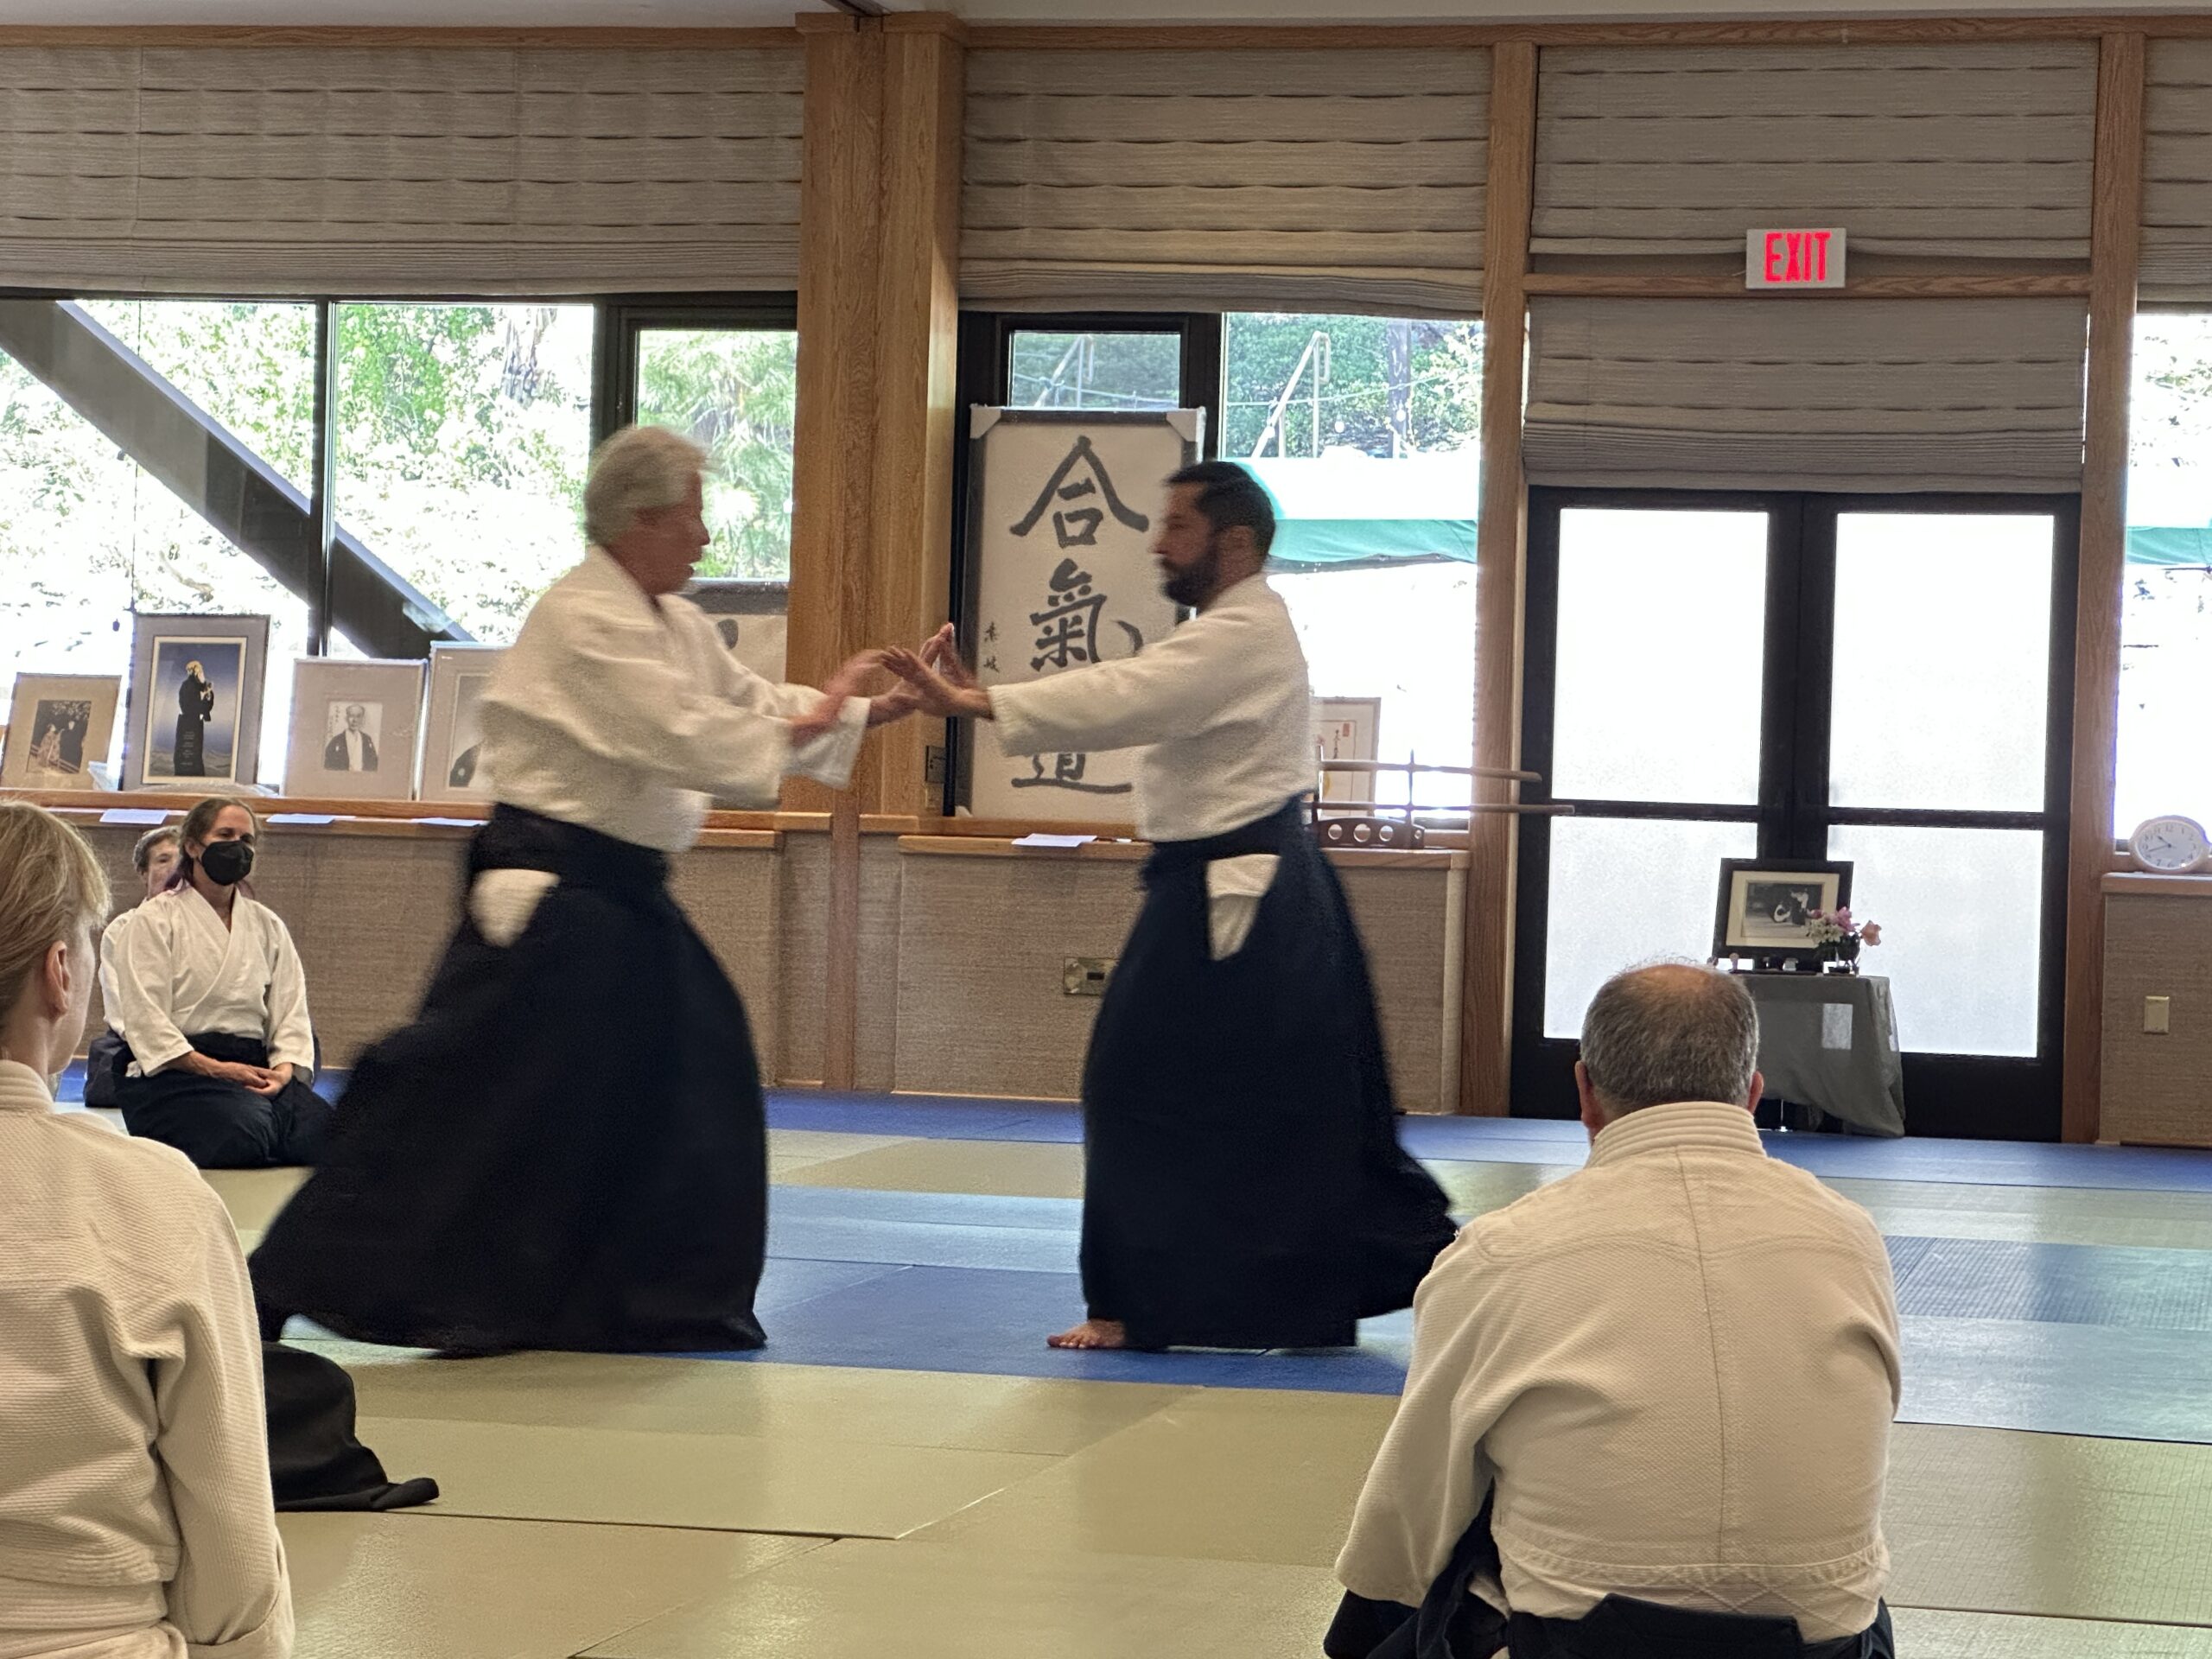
(1767,905)
(751,618)
(59,729)
(195,702)
(354,727)
(1347,728)
(453,727)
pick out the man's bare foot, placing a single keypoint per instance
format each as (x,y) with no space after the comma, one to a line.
(1091,1333)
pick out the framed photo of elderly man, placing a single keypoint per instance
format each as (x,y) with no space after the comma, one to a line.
(1767,906)
(195,702)
(354,727)
(453,733)
(58,729)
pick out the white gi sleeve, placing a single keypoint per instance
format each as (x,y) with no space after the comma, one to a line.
(1174,688)
(291,1034)
(136,978)
(231,1596)
(1430,1476)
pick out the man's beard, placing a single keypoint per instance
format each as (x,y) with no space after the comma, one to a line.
(1195,584)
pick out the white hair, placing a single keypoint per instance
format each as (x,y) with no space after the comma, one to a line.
(1670,1031)
(639,467)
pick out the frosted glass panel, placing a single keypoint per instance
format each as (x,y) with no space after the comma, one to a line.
(1624,891)
(1961,916)
(1943,661)
(1662,626)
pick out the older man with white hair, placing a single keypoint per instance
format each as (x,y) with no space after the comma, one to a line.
(1648,1409)
(568,1146)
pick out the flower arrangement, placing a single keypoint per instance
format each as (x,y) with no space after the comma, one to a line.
(1839,934)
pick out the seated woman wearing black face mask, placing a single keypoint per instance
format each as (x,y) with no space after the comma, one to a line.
(207,990)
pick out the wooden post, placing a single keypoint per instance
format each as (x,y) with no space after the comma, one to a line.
(1487,1011)
(878,331)
(918,305)
(2114,254)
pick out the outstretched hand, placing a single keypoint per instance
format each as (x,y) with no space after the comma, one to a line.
(902,699)
(848,682)
(945,686)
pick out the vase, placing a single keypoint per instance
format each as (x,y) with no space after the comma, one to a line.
(1841,957)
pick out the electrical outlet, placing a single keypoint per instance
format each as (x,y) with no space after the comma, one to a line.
(1085,975)
(2157,1015)
(933,763)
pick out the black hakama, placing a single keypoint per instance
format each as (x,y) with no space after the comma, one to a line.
(217,1124)
(567,1150)
(1244,1185)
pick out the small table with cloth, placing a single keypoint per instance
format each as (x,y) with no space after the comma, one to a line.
(1830,1040)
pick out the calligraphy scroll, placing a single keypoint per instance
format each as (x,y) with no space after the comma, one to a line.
(1062,507)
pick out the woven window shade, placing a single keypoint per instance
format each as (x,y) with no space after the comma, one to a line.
(1882,395)
(2177,173)
(375,170)
(1958,150)
(1281,180)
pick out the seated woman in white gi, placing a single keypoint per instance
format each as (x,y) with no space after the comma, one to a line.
(135,1514)
(155,859)
(206,988)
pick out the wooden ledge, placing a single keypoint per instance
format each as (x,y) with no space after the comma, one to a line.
(2137,884)
(1094,852)
(1129,852)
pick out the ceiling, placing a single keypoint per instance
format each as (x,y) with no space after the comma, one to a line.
(728,13)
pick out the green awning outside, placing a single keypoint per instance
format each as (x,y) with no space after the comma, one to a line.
(2148,544)
(1347,508)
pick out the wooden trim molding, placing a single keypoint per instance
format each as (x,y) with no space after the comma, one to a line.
(1343,37)
(2115,244)
(237,36)
(2141,884)
(1891,285)
(1493,838)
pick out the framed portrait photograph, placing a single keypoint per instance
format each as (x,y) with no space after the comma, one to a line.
(751,618)
(59,727)
(1347,728)
(195,702)
(453,730)
(354,727)
(1766,904)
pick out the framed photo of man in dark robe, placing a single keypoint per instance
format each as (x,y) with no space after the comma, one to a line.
(59,729)
(355,728)
(195,702)
(453,732)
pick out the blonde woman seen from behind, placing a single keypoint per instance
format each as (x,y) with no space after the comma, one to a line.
(135,1519)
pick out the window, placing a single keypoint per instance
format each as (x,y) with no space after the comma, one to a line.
(162,456)
(2165,765)
(463,436)
(89,536)
(1095,369)
(1365,429)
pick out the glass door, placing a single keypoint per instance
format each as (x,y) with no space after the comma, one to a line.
(1885,681)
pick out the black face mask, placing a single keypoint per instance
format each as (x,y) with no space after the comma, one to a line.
(227,862)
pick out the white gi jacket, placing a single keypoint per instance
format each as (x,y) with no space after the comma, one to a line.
(625,715)
(1678,1366)
(171,969)
(136,1518)
(1223,709)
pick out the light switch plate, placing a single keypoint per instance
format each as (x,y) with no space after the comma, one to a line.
(1085,975)
(2157,1015)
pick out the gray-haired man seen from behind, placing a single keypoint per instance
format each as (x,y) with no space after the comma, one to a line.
(1652,1402)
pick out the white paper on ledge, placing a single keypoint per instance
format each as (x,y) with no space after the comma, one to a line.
(302,817)
(146,815)
(1053,840)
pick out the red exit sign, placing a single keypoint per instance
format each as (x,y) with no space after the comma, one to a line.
(1784,259)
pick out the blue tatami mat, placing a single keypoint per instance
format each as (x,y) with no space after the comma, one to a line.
(1545,1141)
(1997,1334)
